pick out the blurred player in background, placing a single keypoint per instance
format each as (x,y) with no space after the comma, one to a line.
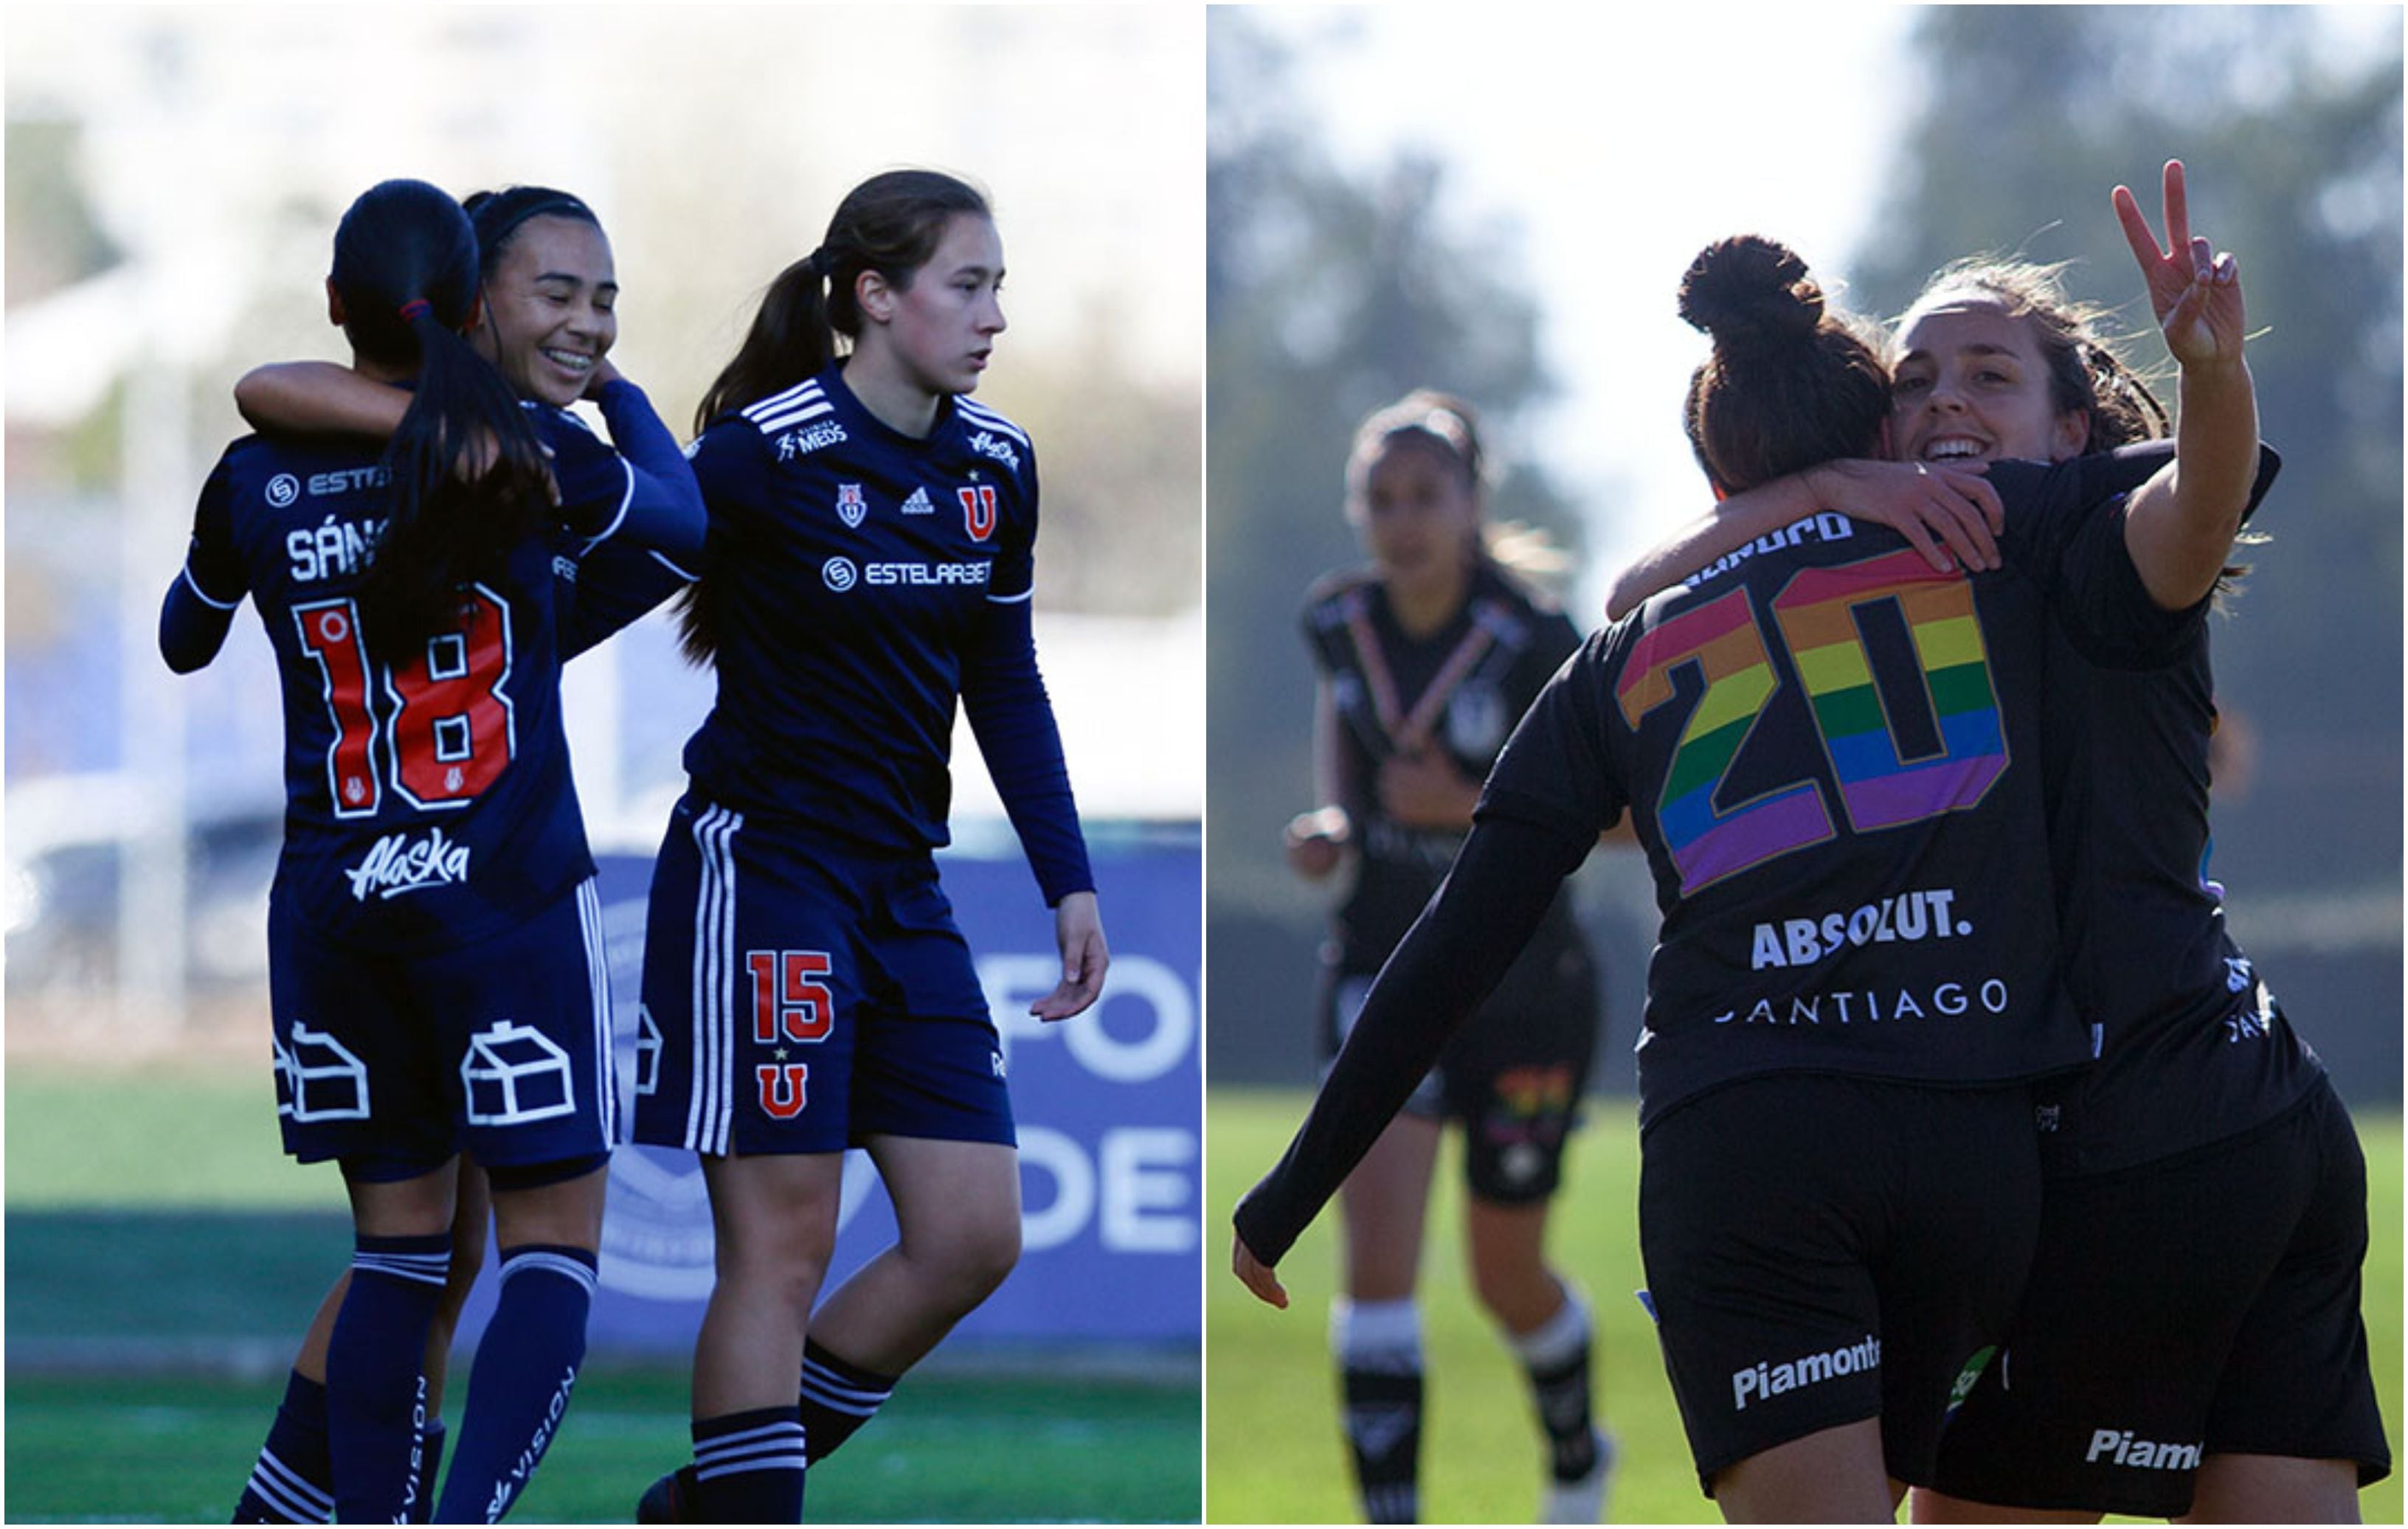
(1426,659)
(2204,1224)
(870,565)
(1856,978)
(435,967)
(550,293)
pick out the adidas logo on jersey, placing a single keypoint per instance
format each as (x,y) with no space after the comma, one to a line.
(919,503)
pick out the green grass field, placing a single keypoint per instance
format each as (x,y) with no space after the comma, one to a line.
(132,1396)
(1274,1452)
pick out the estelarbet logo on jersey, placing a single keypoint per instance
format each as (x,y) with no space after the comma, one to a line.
(851,506)
(839,574)
(283,489)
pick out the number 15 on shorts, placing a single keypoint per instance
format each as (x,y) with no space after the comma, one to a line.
(790,1005)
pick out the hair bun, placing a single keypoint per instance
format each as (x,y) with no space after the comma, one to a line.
(1749,291)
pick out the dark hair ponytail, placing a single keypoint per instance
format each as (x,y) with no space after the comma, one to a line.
(889,223)
(406,269)
(1790,385)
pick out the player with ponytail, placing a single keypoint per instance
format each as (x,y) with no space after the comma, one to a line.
(2204,1225)
(869,569)
(433,945)
(1830,749)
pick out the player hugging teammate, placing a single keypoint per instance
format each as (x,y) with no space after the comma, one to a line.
(1837,1212)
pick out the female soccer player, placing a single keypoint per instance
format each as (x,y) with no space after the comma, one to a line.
(549,319)
(805,988)
(1426,658)
(432,960)
(1827,748)
(2204,1224)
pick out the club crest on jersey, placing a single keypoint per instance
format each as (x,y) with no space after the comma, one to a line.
(398,865)
(851,507)
(1477,721)
(978,511)
(988,445)
(919,503)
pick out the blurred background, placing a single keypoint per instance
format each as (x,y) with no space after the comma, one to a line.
(1396,203)
(174,175)
(1500,207)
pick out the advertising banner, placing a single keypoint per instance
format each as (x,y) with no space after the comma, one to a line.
(1108,1105)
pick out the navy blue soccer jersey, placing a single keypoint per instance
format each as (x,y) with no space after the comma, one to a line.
(862,581)
(626,544)
(1831,753)
(426,803)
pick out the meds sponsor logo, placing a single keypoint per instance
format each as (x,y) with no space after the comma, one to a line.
(802,443)
(1764,1379)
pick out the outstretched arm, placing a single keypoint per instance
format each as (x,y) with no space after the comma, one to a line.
(1926,505)
(318,398)
(1492,901)
(2180,524)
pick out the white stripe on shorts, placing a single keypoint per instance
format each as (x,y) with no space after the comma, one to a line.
(711,1105)
(597,977)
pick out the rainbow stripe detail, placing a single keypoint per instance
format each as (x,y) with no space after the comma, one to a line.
(1705,844)
(1817,612)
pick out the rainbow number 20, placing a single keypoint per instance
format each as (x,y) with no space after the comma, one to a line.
(1818,614)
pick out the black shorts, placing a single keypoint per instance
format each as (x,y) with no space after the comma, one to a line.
(1514,1075)
(2203,1305)
(1822,1250)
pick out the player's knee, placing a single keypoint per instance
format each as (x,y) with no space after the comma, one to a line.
(973,1260)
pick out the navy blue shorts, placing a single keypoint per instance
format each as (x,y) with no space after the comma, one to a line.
(1824,1250)
(799,997)
(2203,1305)
(394,1063)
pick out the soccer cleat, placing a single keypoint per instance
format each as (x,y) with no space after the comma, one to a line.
(669,1500)
(1581,1499)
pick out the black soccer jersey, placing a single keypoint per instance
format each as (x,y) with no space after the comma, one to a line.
(1832,755)
(427,803)
(1460,688)
(864,580)
(2192,1049)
